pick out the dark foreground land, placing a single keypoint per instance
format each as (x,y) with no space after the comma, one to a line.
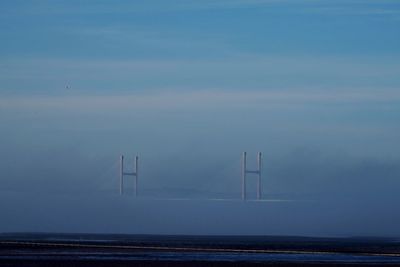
(143,250)
(99,263)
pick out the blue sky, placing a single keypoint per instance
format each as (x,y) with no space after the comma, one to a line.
(200,82)
(135,46)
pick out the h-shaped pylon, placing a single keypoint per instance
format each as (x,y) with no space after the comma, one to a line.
(246,171)
(135,173)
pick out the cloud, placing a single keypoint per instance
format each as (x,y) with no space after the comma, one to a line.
(203,99)
(156,39)
(236,72)
(349,11)
(387,9)
(76,7)
(340,7)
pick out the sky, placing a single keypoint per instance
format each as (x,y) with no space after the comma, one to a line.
(189,85)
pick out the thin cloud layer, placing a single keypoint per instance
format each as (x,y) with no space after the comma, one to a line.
(206,99)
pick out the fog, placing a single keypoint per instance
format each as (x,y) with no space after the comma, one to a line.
(327,171)
(106,214)
(188,86)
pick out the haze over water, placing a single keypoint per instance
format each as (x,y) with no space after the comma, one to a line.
(188,86)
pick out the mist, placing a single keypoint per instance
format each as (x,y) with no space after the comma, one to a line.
(59,169)
(188,86)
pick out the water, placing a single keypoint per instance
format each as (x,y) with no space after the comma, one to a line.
(204,256)
(252,249)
